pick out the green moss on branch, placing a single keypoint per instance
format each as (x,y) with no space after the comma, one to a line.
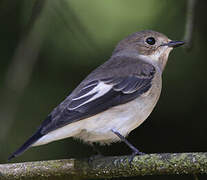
(108,167)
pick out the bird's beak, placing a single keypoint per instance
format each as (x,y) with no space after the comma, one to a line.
(174,44)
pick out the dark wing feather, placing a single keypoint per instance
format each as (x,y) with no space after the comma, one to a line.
(124,89)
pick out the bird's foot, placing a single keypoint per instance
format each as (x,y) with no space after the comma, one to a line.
(135,152)
(94,157)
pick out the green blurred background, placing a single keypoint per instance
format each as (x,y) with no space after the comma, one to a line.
(47,48)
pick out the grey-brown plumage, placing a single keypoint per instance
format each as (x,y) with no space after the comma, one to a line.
(115,98)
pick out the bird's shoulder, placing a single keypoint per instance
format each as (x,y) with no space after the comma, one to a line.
(115,68)
(123,66)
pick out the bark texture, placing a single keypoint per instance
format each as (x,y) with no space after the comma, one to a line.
(107,167)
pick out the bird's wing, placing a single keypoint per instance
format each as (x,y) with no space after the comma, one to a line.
(98,96)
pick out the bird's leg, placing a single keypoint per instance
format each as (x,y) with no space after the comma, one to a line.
(97,155)
(135,150)
(96,150)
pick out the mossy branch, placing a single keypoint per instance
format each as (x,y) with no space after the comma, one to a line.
(108,167)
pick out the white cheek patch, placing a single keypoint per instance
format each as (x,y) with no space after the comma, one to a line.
(156,55)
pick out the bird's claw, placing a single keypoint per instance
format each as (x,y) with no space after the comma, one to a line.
(94,157)
(131,158)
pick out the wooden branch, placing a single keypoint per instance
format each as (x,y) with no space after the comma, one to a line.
(190,23)
(107,167)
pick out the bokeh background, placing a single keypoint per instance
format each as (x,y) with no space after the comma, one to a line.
(47,48)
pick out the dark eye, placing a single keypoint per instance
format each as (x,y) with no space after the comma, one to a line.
(150,41)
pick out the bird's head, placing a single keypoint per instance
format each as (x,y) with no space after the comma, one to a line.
(149,45)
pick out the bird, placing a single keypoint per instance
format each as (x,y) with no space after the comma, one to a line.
(114,99)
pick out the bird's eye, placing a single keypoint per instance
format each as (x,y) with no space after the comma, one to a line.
(150,41)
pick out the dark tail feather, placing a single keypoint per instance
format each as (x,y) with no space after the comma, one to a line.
(26,145)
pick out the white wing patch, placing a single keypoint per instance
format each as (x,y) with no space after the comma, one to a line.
(99,90)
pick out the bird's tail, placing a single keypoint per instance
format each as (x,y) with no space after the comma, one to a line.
(27,144)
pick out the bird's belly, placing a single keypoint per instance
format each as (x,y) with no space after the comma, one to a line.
(123,118)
